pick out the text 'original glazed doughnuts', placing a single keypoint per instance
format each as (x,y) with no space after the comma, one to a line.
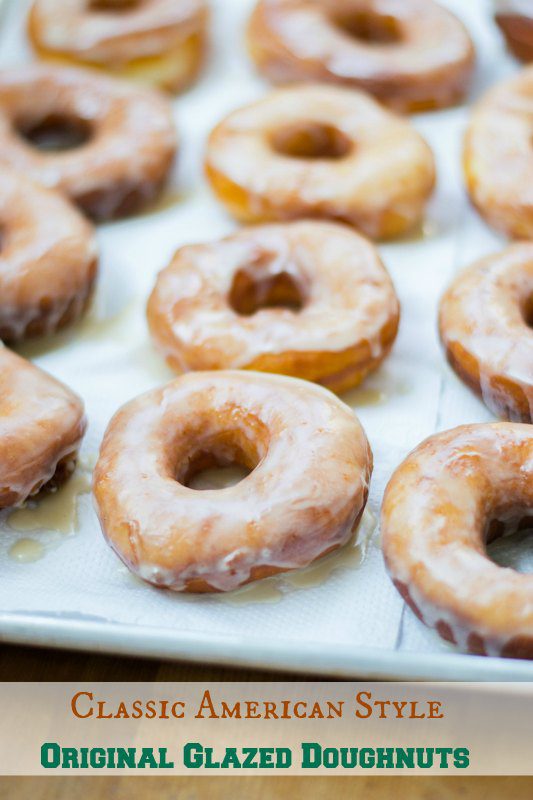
(321,151)
(498,159)
(310,461)
(457,491)
(308,299)
(515,18)
(41,427)
(105,144)
(486,326)
(157,42)
(411,54)
(48,259)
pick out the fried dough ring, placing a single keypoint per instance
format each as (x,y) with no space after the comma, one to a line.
(48,259)
(453,493)
(515,19)
(41,427)
(155,42)
(321,151)
(124,136)
(311,467)
(498,161)
(413,55)
(485,326)
(227,305)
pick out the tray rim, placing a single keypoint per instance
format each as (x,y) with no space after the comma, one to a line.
(300,658)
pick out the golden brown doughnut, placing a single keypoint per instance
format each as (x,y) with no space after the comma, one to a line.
(498,159)
(412,55)
(486,319)
(107,145)
(321,151)
(515,19)
(308,299)
(41,427)
(455,492)
(310,461)
(48,259)
(156,42)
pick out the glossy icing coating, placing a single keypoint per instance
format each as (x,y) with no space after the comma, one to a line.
(41,427)
(485,323)
(346,325)
(310,461)
(157,42)
(131,138)
(48,259)
(515,18)
(411,54)
(498,160)
(456,491)
(321,151)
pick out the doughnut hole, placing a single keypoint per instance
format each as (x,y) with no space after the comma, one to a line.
(55,132)
(509,539)
(369,27)
(114,5)
(256,289)
(311,140)
(218,461)
(527,310)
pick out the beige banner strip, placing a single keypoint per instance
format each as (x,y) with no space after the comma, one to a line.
(266,728)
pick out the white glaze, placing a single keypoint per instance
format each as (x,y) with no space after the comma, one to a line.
(381,186)
(153,27)
(428,65)
(349,299)
(285,514)
(434,514)
(130,149)
(482,322)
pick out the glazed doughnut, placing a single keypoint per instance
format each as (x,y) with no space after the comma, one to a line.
(413,55)
(286,513)
(156,42)
(321,151)
(497,157)
(515,19)
(107,145)
(41,427)
(486,319)
(455,492)
(308,299)
(48,259)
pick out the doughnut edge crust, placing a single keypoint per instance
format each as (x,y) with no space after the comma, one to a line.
(434,524)
(485,333)
(284,515)
(41,427)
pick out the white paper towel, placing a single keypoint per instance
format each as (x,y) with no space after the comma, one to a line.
(108,359)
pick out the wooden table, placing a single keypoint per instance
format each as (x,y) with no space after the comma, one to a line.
(31,664)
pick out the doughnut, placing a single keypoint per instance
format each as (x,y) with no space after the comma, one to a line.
(454,493)
(48,259)
(321,151)
(107,145)
(307,299)
(515,19)
(41,427)
(498,161)
(286,513)
(413,55)
(486,327)
(155,42)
